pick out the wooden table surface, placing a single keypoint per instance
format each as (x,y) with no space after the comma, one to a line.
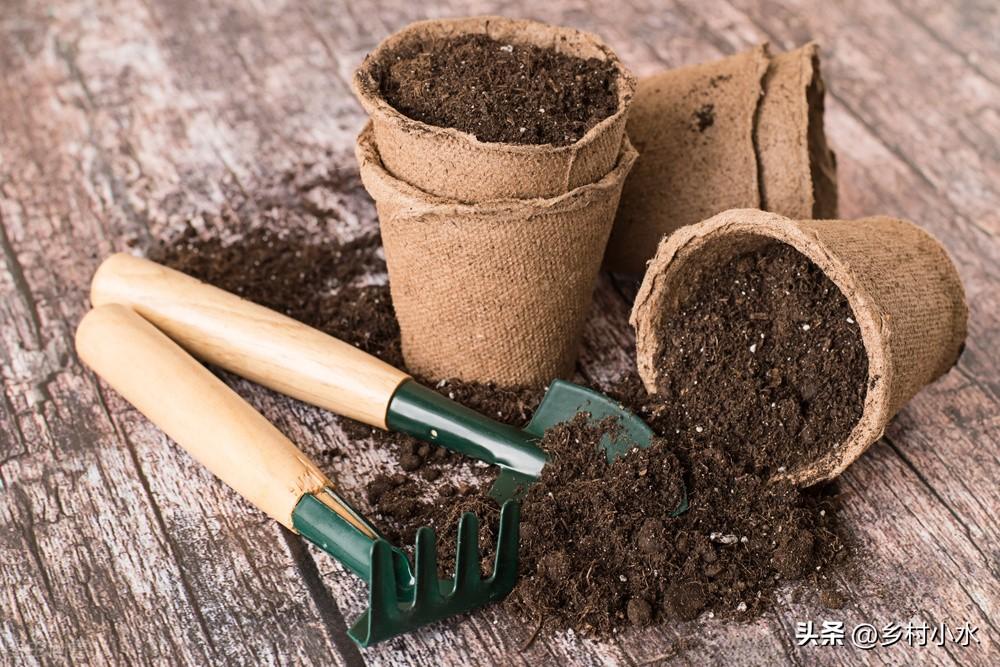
(118,117)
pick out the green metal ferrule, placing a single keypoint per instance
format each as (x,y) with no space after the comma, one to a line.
(429,416)
(337,536)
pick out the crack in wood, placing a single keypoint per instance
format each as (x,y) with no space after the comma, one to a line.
(21,284)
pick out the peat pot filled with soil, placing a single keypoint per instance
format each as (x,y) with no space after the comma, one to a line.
(485,108)
(793,343)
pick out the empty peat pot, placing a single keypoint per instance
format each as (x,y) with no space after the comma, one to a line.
(899,282)
(494,291)
(450,163)
(741,132)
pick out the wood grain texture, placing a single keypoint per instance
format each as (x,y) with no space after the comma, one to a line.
(117,119)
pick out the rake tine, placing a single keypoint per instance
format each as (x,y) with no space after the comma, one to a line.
(467,559)
(428,592)
(382,607)
(505,563)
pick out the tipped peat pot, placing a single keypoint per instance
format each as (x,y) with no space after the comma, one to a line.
(901,285)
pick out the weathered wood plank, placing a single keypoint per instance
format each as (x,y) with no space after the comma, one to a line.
(136,555)
(153,111)
(968,27)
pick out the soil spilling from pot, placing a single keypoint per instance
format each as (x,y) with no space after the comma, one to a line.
(599,549)
(764,359)
(500,92)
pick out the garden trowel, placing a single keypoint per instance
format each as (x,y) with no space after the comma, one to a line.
(294,359)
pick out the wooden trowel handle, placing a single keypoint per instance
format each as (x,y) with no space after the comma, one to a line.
(199,412)
(250,340)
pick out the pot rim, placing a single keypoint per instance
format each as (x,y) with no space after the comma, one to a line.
(366,86)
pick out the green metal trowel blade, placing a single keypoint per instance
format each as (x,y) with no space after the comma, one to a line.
(562,402)
(510,484)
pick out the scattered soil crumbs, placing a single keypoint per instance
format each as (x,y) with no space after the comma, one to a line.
(288,271)
(765,360)
(295,241)
(511,93)
(426,490)
(600,551)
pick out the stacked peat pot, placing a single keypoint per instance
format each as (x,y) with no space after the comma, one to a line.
(493,248)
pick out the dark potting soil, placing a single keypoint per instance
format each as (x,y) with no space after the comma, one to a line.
(432,494)
(765,360)
(500,92)
(599,549)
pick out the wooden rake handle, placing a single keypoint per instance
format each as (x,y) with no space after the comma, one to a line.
(198,411)
(250,340)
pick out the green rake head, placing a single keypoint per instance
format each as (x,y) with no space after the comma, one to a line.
(400,597)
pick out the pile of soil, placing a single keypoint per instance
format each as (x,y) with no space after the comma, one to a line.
(500,92)
(765,360)
(599,549)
